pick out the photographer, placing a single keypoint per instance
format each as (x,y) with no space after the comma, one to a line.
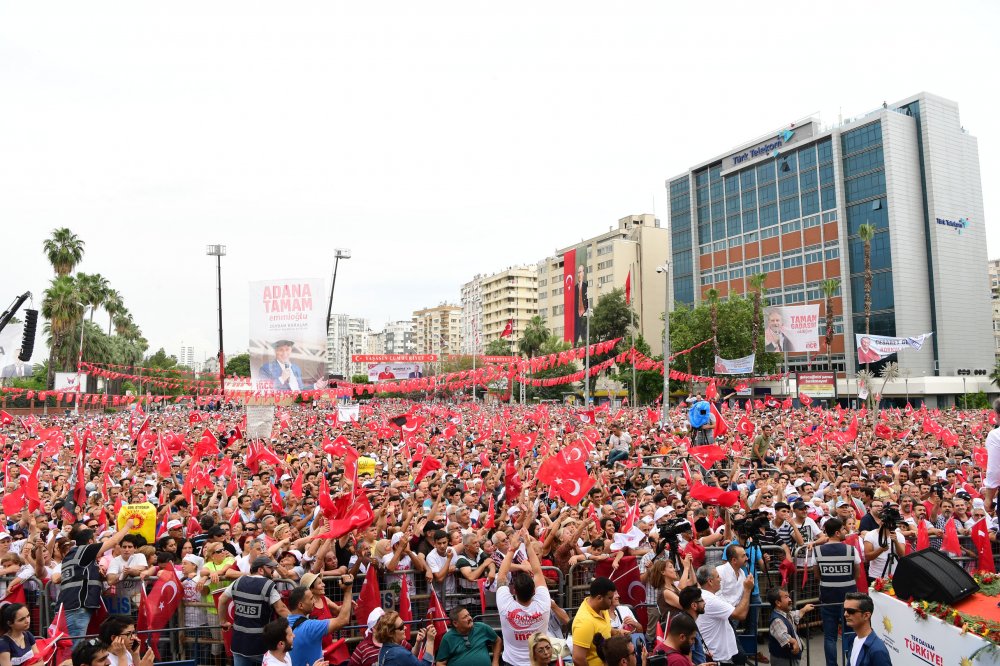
(714,622)
(750,534)
(884,546)
(702,421)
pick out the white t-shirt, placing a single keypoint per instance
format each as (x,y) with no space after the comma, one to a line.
(732,583)
(119,564)
(877,565)
(993,458)
(856,649)
(619,614)
(113,660)
(271,660)
(518,622)
(713,624)
(438,562)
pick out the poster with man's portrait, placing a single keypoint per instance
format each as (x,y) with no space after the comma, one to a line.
(791,328)
(288,335)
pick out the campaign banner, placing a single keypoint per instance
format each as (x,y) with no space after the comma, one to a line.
(736,366)
(791,328)
(485,359)
(386,372)
(287,335)
(70,382)
(817,384)
(575,298)
(347,413)
(10,347)
(914,641)
(872,348)
(394,358)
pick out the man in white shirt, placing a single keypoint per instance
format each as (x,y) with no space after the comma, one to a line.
(127,569)
(278,639)
(442,563)
(527,609)
(621,445)
(731,575)
(714,624)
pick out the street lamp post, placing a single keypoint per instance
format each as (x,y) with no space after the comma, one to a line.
(339,253)
(665,270)
(586,375)
(219,251)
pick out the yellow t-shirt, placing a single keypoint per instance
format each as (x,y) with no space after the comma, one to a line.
(587,624)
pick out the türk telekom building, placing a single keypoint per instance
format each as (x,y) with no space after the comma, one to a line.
(789,204)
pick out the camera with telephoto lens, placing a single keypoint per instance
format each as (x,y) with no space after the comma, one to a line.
(751,523)
(890,518)
(674,527)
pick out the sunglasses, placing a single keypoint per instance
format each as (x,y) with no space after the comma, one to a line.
(851,611)
(399,627)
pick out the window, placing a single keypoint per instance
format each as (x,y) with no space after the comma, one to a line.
(604,279)
(767,194)
(828,198)
(721,276)
(750,237)
(750,219)
(718,246)
(765,173)
(862,138)
(808,180)
(791,262)
(557,310)
(705,249)
(752,269)
(557,291)
(788,187)
(543,282)
(862,213)
(768,215)
(810,203)
(795,297)
(748,179)
(735,242)
(749,199)
(881,292)
(770,263)
(830,216)
(813,254)
(811,221)
(832,253)
(789,227)
(870,160)
(733,205)
(824,150)
(718,229)
(769,232)
(543,313)
(807,157)
(706,280)
(704,233)
(604,264)
(735,273)
(826,174)
(732,184)
(604,249)
(790,209)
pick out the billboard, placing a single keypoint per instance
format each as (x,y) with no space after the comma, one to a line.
(872,348)
(735,366)
(70,381)
(791,328)
(817,384)
(10,347)
(575,298)
(387,372)
(287,335)
(394,358)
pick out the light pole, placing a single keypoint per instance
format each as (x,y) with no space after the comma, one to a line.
(338,254)
(219,251)
(586,375)
(665,270)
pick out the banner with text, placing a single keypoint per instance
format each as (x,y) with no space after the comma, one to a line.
(817,384)
(791,328)
(383,372)
(70,382)
(735,366)
(287,335)
(873,348)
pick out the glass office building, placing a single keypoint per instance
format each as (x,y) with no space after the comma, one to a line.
(790,203)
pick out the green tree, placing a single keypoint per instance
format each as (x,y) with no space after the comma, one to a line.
(360,379)
(62,309)
(114,305)
(611,318)
(536,333)
(713,310)
(995,375)
(498,347)
(830,288)
(649,383)
(64,250)
(239,365)
(867,233)
(93,290)
(757,322)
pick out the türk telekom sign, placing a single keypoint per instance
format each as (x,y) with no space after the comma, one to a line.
(771,147)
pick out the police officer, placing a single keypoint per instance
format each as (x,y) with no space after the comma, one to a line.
(837,569)
(80,591)
(256,602)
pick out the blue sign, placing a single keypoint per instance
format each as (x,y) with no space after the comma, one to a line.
(959,224)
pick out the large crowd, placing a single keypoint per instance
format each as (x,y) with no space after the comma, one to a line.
(480,513)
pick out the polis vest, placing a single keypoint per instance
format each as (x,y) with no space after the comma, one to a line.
(836,571)
(778,650)
(81,584)
(251,612)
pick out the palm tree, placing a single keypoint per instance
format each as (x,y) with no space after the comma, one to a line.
(122,320)
(61,308)
(867,232)
(114,304)
(64,251)
(995,375)
(830,288)
(757,286)
(534,336)
(713,306)
(93,292)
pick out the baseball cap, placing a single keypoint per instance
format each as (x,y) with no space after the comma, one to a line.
(396,538)
(662,512)
(285,477)
(262,562)
(841,503)
(174,525)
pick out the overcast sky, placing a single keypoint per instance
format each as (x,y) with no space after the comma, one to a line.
(436,140)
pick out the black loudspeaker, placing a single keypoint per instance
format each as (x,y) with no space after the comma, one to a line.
(930,575)
(28,342)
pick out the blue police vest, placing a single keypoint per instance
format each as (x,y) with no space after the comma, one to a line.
(836,571)
(251,613)
(81,584)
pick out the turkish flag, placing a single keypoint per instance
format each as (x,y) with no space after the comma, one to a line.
(745,426)
(227,634)
(512,482)
(923,540)
(491,515)
(707,455)
(711,392)
(369,599)
(714,495)
(297,484)
(277,504)
(194,417)
(160,605)
(981,541)
(358,516)
(949,543)
(428,465)
(206,446)
(852,429)
(405,609)
(627,582)
(14,502)
(979,456)
(721,427)
(13,596)
(569,480)
(628,288)
(5,418)
(804,399)
(882,431)
(508,330)
(436,612)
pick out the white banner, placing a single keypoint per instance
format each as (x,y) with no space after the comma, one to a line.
(287,335)
(260,421)
(387,372)
(873,348)
(348,413)
(791,328)
(70,382)
(736,366)
(915,642)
